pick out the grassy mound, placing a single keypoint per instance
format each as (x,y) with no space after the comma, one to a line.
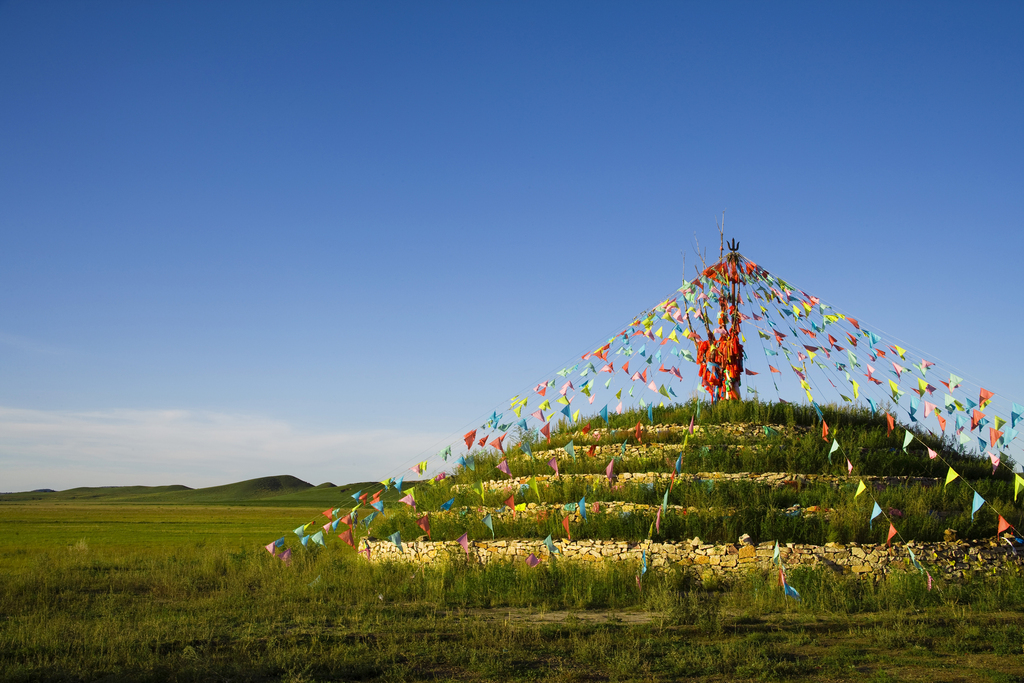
(695,479)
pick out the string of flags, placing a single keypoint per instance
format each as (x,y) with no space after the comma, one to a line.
(805,345)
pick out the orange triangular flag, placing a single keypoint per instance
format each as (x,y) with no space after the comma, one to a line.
(565,523)
(1003,525)
(824,431)
(889,420)
(892,532)
(985,395)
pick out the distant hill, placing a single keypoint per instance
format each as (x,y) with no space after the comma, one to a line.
(281,490)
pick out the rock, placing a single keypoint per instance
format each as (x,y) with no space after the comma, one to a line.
(949,535)
(746,540)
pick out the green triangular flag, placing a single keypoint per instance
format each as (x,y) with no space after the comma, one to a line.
(907,438)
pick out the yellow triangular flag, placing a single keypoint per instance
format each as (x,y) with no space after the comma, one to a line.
(658,332)
(860,488)
(1018,484)
(900,350)
(950,476)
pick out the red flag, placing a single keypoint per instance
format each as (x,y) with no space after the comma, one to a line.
(347,537)
(565,523)
(638,428)
(748,371)
(482,441)
(774,369)
(424,523)
(892,532)
(586,429)
(511,504)
(993,436)
(497,443)
(625,367)
(1003,525)
(546,431)
(327,513)
(470,437)
(853,322)
(942,421)
(890,422)
(590,451)
(824,431)
(976,416)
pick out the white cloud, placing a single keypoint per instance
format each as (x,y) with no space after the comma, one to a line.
(63,449)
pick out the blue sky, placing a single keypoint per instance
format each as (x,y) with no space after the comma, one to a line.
(243,239)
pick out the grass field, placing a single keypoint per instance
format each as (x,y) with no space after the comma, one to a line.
(171,583)
(186,593)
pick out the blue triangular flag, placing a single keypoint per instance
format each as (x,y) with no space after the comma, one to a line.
(875,511)
(488,523)
(550,544)
(976,505)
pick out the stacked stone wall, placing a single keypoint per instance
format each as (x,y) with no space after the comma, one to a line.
(949,559)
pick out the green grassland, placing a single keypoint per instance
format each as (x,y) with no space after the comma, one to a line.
(170,583)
